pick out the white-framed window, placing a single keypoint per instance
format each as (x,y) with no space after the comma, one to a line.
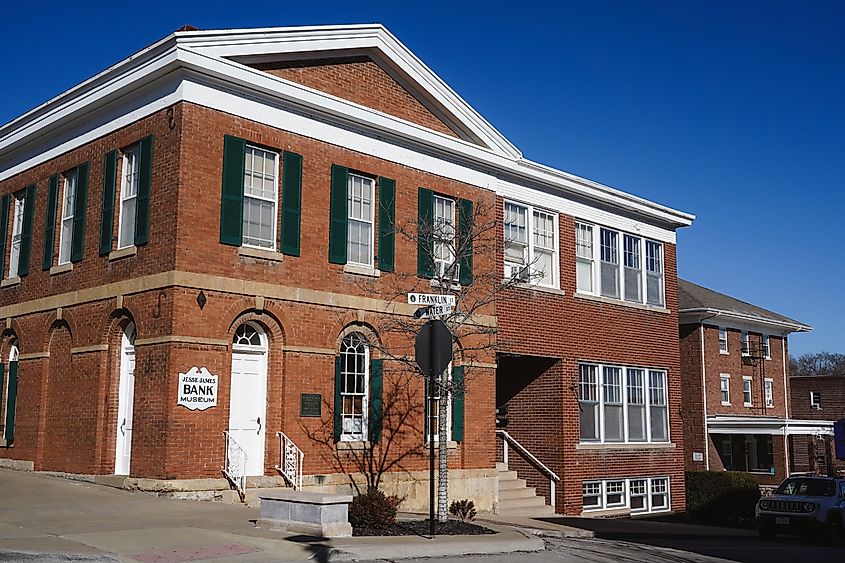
(637,276)
(746,343)
(723,340)
(769,392)
(354,386)
(725,388)
(584,258)
(433,410)
(361,205)
(530,244)
(746,391)
(816,400)
(444,238)
(654,273)
(630,404)
(766,346)
(261,197)
(609,263)
(633,269)
(130,177)
(639,494)
(19,204)
(68,202)
(588,402)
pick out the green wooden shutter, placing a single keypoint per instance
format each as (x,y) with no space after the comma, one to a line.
(79,206)
(2,378)
(4,231)
(425,239)
(50,223)
(338,399)
(26,233)
(291,202)
(458,403)
(427,392)
(11,401)
(142,202)
(107,213)
(465,232)
(338,215)
(232,201)
(376,371)
(386,223)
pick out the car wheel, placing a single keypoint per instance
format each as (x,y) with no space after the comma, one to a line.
(834,532)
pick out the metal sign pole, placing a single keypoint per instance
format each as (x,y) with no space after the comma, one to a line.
(431,428)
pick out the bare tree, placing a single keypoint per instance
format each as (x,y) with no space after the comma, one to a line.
(821,363)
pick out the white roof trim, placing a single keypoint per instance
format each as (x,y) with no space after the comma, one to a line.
(717,316)
(190,50)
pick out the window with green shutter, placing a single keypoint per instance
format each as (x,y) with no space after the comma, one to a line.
(375,415)
(80,203)
(458,386)
(11,395)
(291,203)
(26,231)
(386,224)
(107,209)
(425,228)
(50,223)
(145,181)
(465,236)
(338,214)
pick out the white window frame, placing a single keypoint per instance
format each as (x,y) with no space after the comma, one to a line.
(766,345)
(365,394)
(649,405)
(130,176)
(18,206)
(723,338)
(594,231)
(600,490)
(441,265)
(274,200)
(816,400)
(519,271)
(437,413)
(588,393)
(769,392)
(725,388)
(750,402)
(370,221)
(612,259)
(745,340)
(69,187)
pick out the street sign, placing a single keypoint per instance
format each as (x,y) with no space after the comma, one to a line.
(433,348)
(433,311)
(430,299)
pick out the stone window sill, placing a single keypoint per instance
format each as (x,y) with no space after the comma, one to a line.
(61,269)
(9,282)
(353,445)
(361,270)
(620,302)
(123,253)
(260,253)
(450,445)
(436,283)
(627,446)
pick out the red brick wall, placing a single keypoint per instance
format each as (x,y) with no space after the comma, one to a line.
(574,329)
(832,389)
(360,80)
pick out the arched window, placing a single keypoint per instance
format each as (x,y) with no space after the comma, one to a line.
(354,386)
(248,336)
(11,394)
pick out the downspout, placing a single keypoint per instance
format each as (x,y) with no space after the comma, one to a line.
(704,391)
(786,393)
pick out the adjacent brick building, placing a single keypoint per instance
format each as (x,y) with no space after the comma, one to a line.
(737,409)
(821,398)
(247,209)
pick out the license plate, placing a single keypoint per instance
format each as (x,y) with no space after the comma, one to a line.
(782,521)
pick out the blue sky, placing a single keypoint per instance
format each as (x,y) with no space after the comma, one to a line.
(731,110)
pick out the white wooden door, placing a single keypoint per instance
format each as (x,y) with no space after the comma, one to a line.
(247,407)
(126,397)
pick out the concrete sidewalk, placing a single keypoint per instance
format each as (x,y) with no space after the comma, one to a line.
(45,518)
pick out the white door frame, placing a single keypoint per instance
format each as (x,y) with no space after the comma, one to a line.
(256,447)
(126,388)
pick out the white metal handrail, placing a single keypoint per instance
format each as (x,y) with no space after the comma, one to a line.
(234,467)
(291,461)
(533,459)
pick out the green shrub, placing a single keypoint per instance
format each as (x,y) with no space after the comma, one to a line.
(724,498)
(462,509)
(373,509)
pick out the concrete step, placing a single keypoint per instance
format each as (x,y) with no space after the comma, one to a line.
(501,466)
(533,512)
(508,484)
(507,475)
(530,502)
(511,494)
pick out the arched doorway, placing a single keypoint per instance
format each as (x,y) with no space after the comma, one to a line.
(125,401)
(248,399)
(11,394)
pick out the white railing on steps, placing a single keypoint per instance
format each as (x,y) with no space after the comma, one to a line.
(234,467)
(553,478)
(291,458)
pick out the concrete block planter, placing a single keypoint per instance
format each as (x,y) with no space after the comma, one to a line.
(318,514)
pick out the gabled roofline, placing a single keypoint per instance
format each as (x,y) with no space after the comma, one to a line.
(696,314)
(180,50)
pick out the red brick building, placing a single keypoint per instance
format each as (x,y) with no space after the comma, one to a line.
(821,398)
(737,409)
(226,225)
